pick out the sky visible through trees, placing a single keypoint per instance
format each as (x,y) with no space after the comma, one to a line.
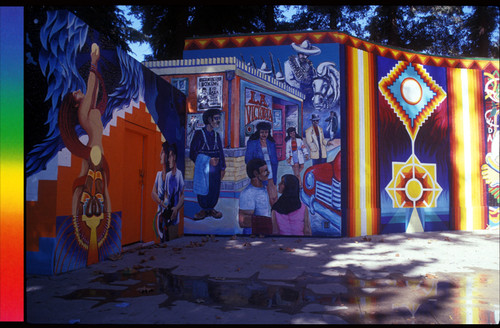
(416,36)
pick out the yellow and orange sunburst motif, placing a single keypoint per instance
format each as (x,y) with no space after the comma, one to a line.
(413,184)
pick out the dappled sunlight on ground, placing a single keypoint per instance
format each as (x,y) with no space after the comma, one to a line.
(390,279)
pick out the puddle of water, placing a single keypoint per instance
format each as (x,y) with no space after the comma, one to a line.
(125,284)
(394,299)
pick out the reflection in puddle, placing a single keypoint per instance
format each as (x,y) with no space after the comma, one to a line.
(394,299)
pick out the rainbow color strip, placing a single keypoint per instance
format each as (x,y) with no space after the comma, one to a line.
(11,165)
(363,211)
(467,148)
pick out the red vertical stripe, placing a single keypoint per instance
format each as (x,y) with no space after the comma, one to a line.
(455,209)
(375,203)
(481,143)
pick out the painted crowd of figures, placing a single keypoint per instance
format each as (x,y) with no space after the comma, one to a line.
(261,209)
(267,204)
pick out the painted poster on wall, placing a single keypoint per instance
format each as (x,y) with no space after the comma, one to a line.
(209,92)
(413,143)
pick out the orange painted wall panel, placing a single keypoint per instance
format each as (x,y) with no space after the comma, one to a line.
(40,215)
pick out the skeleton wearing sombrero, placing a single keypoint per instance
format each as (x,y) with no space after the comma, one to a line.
(299,70)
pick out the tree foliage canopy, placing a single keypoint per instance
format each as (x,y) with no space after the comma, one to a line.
(470,31)
(168,26)
(108,20)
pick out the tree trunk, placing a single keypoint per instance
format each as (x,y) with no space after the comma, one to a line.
(269,20)
(483,34)
(394,38)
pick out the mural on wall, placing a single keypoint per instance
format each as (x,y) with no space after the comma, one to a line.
(207,152)
(205,132)
(419,131)
(468,192)
(319,79)
(360,205)
(258,108)
(490,168)
(168,193)
(181,84)
(265,119)
(77,82)
(412,144)
(91,207)
(319,176)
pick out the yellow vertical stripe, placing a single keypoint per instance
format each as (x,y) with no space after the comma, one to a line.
(473,128)
(466,138)
(468,142)
(361,144)
(458,136)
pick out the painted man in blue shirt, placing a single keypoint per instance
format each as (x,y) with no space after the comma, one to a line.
(207,142)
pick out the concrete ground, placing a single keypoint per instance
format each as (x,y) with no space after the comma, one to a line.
(432,277)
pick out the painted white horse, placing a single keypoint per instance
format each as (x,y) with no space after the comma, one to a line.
(326,86)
